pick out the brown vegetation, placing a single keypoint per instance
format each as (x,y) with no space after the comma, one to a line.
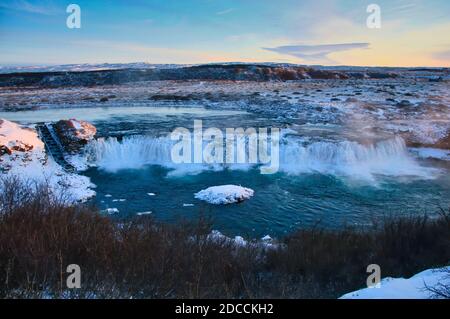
(40,235)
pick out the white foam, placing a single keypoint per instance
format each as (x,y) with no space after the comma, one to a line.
(339,158)
(132,153)
(354,160)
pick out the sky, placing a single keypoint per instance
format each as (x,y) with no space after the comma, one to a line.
(327,32)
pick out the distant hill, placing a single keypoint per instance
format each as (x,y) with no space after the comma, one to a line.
(107,74)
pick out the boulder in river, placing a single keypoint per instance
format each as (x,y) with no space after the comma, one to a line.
(224,194)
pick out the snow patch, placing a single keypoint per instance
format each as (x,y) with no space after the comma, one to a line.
(111,211)
(224,194)
(143,213)
(401,288)
(12,133)
(239,242)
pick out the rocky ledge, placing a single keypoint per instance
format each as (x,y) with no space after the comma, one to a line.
(413,140)
(74,134)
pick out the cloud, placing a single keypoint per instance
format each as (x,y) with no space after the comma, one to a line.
(225,11)
(316,53)
(27,6)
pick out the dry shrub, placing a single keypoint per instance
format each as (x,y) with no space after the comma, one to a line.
(40,234)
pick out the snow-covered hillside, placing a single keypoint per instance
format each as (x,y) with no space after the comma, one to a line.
(22,154)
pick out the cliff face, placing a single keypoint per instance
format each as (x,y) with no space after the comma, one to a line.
(228,72)
(74,134)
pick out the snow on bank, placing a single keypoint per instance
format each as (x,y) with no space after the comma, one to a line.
(11,133)
(24,157)
(400,288)
(111,211)
(238,241)
(225,194)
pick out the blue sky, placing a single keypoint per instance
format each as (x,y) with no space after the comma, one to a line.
(195,31)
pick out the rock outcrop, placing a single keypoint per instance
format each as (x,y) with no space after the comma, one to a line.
(74,134)
(15,146)
(412,140)
(444,143)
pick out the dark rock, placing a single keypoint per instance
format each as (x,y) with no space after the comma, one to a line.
(438,79)
(170,97)
(443,143)
(413,141)
(5,150)
(74,134)
(21,147)
(404,103)
(381,75)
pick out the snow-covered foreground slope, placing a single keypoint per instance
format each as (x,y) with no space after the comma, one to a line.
(401,288)
(22,154)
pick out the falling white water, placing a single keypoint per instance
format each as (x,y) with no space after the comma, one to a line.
(351,159)
(342,159)
(132,152)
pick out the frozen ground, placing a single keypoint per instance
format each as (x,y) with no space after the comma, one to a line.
(365,109)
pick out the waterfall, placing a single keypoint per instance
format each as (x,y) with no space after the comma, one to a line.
(389,157)
(344,158)
(132,152)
